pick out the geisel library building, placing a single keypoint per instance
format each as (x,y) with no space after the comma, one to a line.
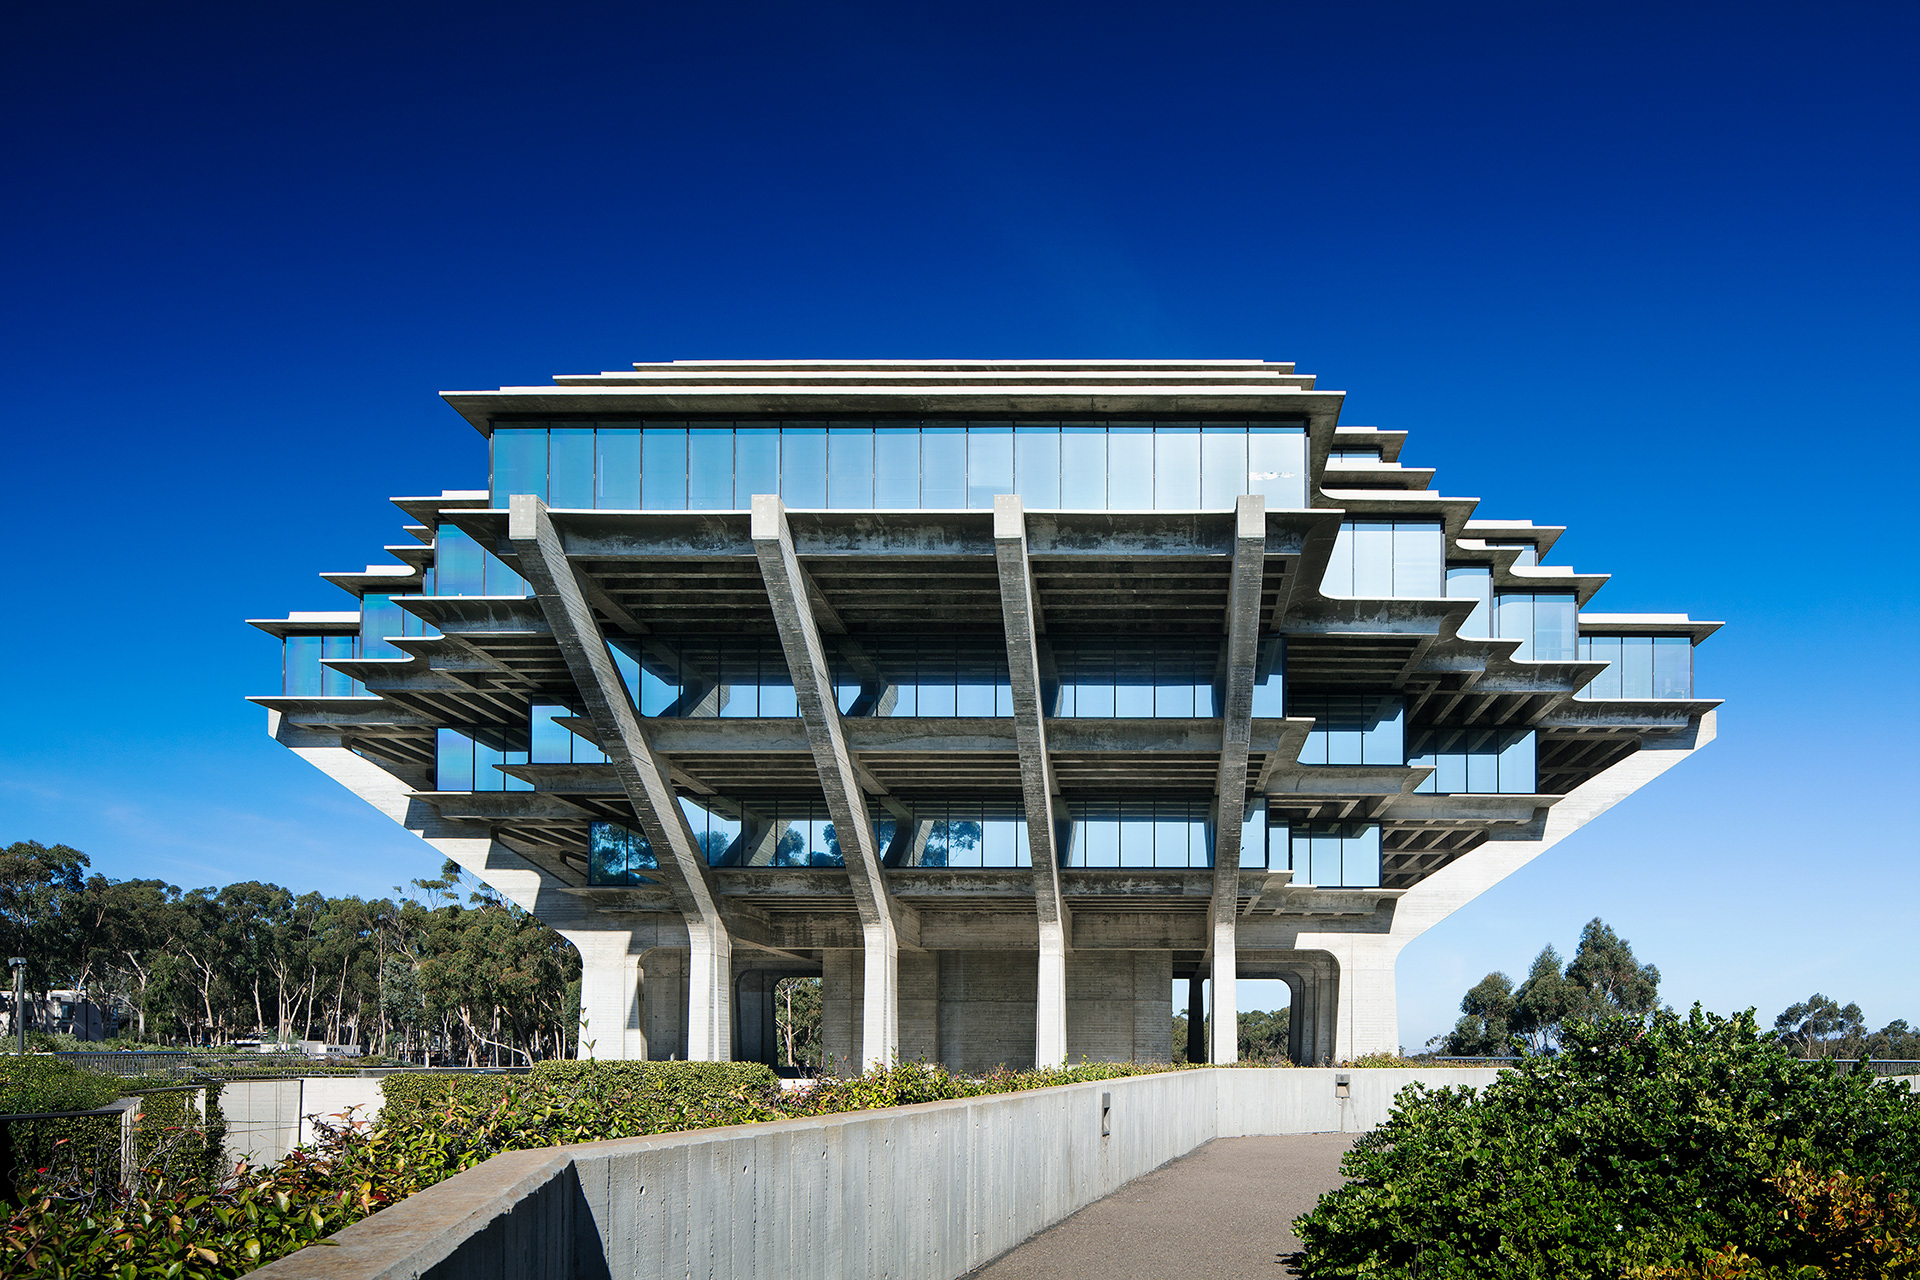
(1001,695)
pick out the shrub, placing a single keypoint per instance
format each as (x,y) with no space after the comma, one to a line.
(1666,1149)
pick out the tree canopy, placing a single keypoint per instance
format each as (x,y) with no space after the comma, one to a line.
(1604,979)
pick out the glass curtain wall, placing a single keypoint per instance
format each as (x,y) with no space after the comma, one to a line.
(1387,560)
(1335,855)
(958,834)
(1128,832)
(381,620)
(1544,624)
(1473,582)
(1478,762)
(1092,464)
(304,674)
(469,761)
(1104,678)
(462,567)
(554,742)
(1353,728)
(706,677)
(1639,667)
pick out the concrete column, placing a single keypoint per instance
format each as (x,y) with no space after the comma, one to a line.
(642,771)
(1196,1018)
(612,999)
(1230,790)
(793,613)
(1023,621)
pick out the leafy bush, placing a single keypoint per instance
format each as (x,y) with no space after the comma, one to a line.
(1689,1147)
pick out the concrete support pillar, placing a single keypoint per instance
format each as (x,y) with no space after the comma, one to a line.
(1230,790)
(1196,1018)
(794,615)
(643,773)
(1023,620)
(612,998)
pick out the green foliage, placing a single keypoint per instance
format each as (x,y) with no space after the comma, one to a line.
(797,1023)
(1263,1038)
(1656,1146)
(1603,980)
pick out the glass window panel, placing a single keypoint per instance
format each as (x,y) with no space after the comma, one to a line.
(1325,868)
(1277,465)
(1554,628)
(1130,467)
(849,465)
(1133,701)
(803,465)
(629,668)
(500,580)
(709,468)
(663,474)
(1373,559)
(1483,771)
(974,696)
(1452,773)
(1473,582)
(570,467)
(1083,467)
(1171,834)
(1223,466)
(1383,739)
(552,743)
(1518,765)
(1036,466)
(454,760)
(777,699)
(1253,835)
(1022,852)
(1136,836)
(1429,785)
(1176,466)
(1608,683)
(756,463)
(1418,561)
(1174,700)
(1672,667)
(996,843)
(943,466)
(989,462)
(935,692)
(1636,666)
(300,667)
(459,569)
(485,776)
(1100,836)
(1344,741)
(1269,687)
(380,618)
(963,839)
(1513,620)
(616,468)
(519,462)
(896,466)
(336,684)
(1360,858)
(659,688)
(1338,580)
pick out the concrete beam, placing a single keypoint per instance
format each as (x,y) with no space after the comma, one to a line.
(1236,722)
(643,774)
(794,615)
(1037,786)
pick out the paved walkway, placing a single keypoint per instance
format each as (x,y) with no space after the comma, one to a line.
(1221,1212)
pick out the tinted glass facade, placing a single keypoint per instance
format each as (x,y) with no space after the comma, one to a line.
(469,761)
(1093,464)
(1639,666)
(1387,559)
(1478,761)
(1352,728)
(462,567)
(303,674)
(1335,854)
(1473,582)
(1544,624)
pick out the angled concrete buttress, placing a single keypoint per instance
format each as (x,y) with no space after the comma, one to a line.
(1037,786)
(1243,645)
(846,801)
(643,776)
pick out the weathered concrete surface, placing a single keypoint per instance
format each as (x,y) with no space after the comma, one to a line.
(927,1192)
(1225,1211)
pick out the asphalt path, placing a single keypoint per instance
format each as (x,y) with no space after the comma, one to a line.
(1223,1211)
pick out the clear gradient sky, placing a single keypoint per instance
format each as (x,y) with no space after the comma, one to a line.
(1648,271)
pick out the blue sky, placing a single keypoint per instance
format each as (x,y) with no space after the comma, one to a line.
(1646,271)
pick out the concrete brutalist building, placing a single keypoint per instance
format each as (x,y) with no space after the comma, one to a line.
(1002,695)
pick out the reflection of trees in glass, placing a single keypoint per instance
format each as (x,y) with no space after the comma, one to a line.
(713,845)
(791,849)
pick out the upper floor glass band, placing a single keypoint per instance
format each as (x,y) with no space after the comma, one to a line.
(935,464)
(1639,666)
(1386,560)
(304,674)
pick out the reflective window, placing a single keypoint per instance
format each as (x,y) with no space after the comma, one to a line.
(961,834)
(471,761)
(1352,728)
(1529,553)
(1475,760)
(618,855)
(1386,560)
(930,464)
(557,741)
(1639,667)
(706,677)
(920,675)
(1355,455)
(1102,678)
(1132,832)
(1270,678)
(1255,835)
(1544,623)
(1332,855)
(381,620)
(1473,582)
(303,669)
(462,567)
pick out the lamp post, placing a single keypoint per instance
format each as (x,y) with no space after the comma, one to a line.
(19,964)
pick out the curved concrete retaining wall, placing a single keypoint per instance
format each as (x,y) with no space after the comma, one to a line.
(926,1192)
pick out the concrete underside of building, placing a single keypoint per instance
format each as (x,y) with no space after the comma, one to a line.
(1000,696)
